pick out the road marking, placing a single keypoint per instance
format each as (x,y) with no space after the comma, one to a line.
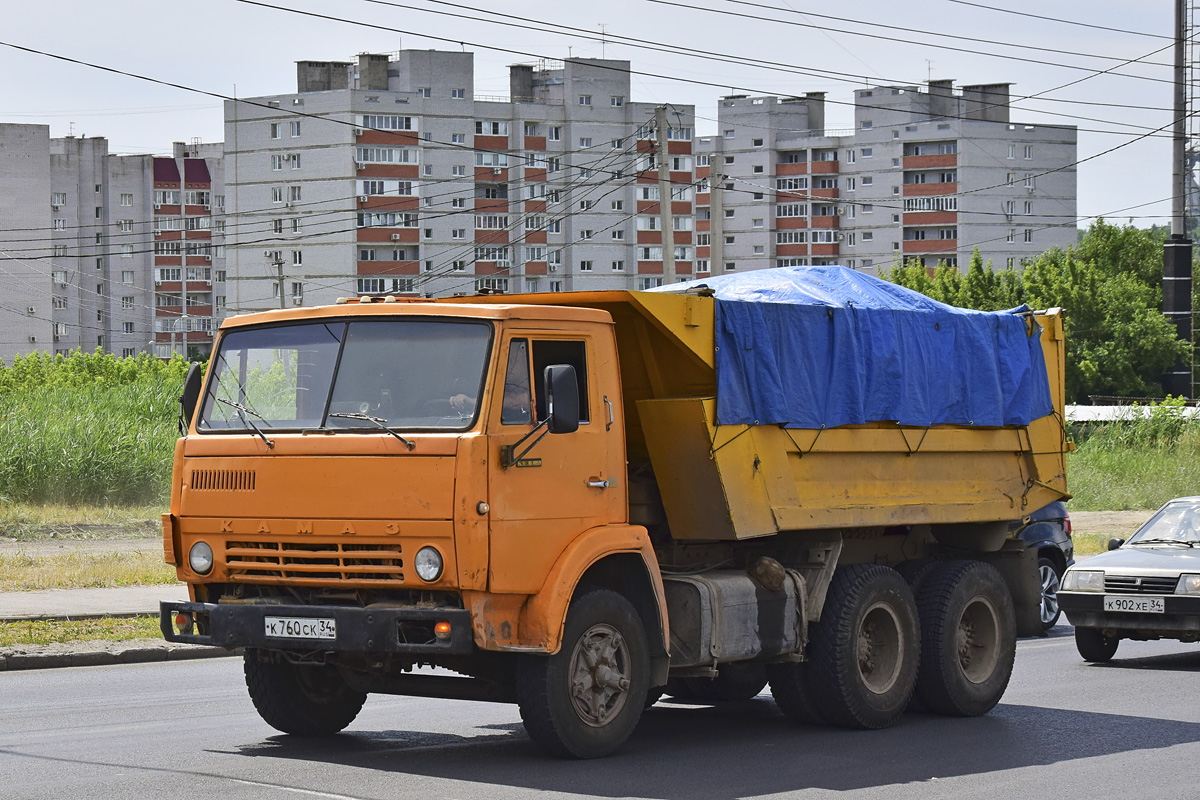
(294,789)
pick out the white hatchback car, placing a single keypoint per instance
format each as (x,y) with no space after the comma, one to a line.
(1145,588)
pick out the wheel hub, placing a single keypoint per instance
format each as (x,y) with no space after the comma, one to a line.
(977,640)
(599,674)
(879,648)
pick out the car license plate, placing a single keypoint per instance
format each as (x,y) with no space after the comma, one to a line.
(1139,605)
(301,628)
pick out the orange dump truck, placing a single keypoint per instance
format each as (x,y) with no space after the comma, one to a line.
(543,498)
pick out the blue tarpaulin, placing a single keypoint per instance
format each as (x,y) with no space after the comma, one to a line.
(818,347)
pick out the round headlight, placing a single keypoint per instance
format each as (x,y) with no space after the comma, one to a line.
(201,558)
(428,564)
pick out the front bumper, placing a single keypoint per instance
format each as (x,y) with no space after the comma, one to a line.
(1181,616)
(405,630)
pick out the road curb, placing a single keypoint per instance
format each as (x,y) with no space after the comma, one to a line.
(117,653)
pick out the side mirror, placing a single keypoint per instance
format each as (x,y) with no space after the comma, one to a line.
(190,396)
(1115,542)
(562,399)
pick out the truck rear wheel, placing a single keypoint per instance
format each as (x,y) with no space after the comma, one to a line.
(863,653)
(968,638)
(585,700)
(793,694)
(301,699)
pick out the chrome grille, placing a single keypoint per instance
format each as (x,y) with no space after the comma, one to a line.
(310,563)
(223,480)
(1128,584)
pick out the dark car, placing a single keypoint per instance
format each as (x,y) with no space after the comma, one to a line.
(1048,530)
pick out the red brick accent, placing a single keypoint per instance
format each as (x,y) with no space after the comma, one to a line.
(790,223)
(824,249)
(491,142)
(411,171)
(493,204)
(650,268)
(649,237)
(931,162)
(376,235)
(791,249)
(498,174)
(535,142)
(800,168)
(388,268)
(491,237)
(535,267)
(931,218)
(927,189)
(679,148)
(392,138)
(824,167)
(930,245)
(825,222)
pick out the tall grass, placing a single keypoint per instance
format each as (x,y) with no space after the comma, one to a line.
(1136,463)
(88,428)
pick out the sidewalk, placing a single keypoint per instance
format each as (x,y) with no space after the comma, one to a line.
(75,604)
(124,601)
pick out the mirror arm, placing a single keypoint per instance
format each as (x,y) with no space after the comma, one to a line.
(508,450)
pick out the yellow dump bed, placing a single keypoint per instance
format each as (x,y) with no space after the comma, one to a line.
(742,481)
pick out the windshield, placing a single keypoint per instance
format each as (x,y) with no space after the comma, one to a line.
(362,374)
(1175,522)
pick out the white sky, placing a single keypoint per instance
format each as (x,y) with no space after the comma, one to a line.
(217,44)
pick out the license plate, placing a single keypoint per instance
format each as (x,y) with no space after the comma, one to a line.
(1138,605)
(301,628)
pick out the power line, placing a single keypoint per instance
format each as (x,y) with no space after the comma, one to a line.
(1062,21)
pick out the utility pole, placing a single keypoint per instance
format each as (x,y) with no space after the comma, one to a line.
(278,262)
(1177,250)
(664,194)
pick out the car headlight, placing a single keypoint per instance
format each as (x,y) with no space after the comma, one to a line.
(428,564)
(200,558)
(1083,580)
(1188,584)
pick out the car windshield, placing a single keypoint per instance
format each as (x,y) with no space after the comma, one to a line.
(1175,522)
(361,374)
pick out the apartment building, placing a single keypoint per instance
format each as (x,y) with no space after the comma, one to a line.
(927,173)
(99,246)
(25,301)
(389,174)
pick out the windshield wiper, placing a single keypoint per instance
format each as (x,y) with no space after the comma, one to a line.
(1164,541)
(243,411)
(379,421)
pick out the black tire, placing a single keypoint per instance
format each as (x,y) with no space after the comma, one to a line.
(968,638)
(863,653)
(793,694)
(915,571)
(1094,646)
(734,683)
(574,710)
(1050,575)
(304,700)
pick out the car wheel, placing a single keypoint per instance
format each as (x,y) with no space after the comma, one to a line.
(1094,646)
(1051,578)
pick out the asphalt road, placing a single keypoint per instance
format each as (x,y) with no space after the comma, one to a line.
(187,729)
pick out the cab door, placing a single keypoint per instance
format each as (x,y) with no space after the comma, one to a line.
(564,484)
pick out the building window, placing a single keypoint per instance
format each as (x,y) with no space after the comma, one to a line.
(1011,236)
(276,194)
(1028,235)
(294,160)
(59,224)
(585,141)
(730,266)
(456,233)
(126,251)
(1012,151)
(618,235)
(458,94)
(585,99)
(297,258)
(729,133)
(1028,207)
(127,327)
(585,266)
(457,171)
(293,193)
(276,130)
(61,302)
(1028,151)
(297,293)
(554,134)
(295,128)
(868,152)
(276,226)
(126,276)
(618,266)
(424,91)
(617,100)
(458,138)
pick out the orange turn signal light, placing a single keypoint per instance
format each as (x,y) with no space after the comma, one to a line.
(442,630)
(183,622)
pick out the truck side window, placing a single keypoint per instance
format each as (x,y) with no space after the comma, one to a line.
(547,353)
(517,398)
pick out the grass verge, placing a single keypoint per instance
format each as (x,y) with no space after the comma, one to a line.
(22,572)
(43,632)
(32,521)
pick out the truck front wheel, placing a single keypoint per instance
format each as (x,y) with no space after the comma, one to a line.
(302,699)
(968,638)
(863,653)
(585,700)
